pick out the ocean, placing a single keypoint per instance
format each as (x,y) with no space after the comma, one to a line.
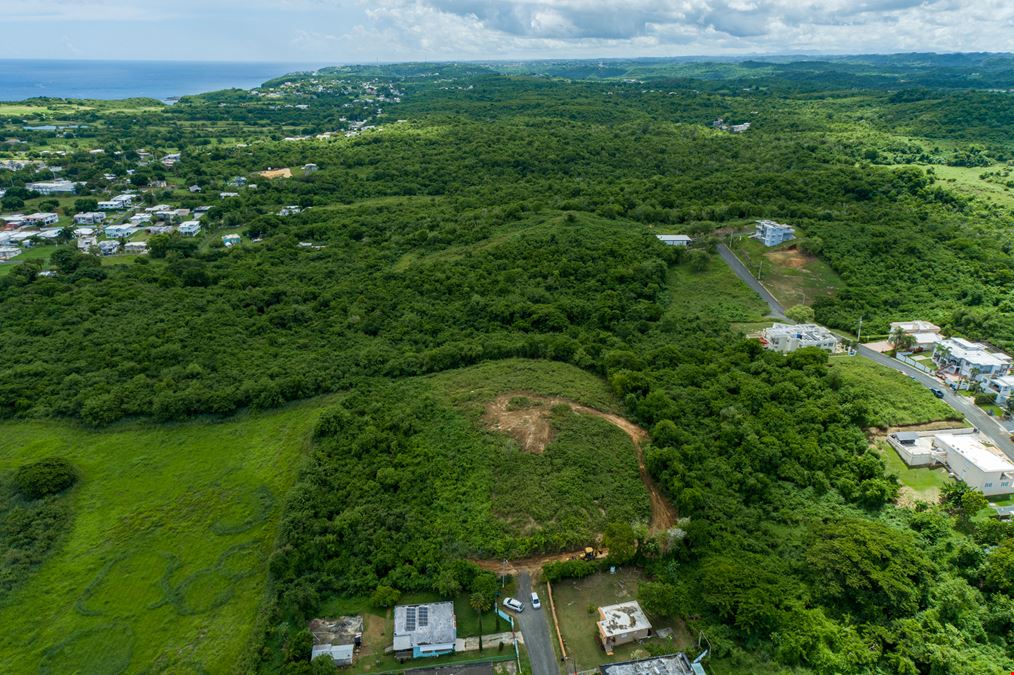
(25,78)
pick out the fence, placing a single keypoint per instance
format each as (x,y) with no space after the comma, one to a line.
(915,364)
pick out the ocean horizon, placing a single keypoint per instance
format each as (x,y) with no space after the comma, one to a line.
(22,79)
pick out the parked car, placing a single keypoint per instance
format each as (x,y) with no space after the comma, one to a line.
(536,604)
(511,603)
(938,393)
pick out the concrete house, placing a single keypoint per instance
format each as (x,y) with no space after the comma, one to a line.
(1003,387)
(926,334)
(338,638)
(41,219)
(87,243)
(424,630)
(119,231)
(8,252)
(982,467)
(89,218)
(970,360)
(674,239)
(109,247)
(117,203)
(190,228)
(672,664)
(784,338)
(53,187)
(622,623)
(136,247)
(770,233)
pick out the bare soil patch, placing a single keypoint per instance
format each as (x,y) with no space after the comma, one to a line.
(525,418)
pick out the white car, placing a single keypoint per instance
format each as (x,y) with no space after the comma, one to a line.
(536,603)
(511,603)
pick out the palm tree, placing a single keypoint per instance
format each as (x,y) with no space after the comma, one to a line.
(480,603)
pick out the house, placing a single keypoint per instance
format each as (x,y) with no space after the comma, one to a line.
(310,168)
(674,239)
(672,664)
(226,195)
(160,229)
(117,203)
(89,218)
(424,630)
(784,338)
(13,219)
(190,228)
(926,334)
(49,233)
(40,219)
(120,231)
(53,187)
(8,252)
(1003,387)
(622,623)
(201,210)
(739,128)
(338,638)
(152,210)
(195,188)
(970,360)
(109,247)
(770,233)
(230,240)
(289,210)
(87,243)
(238,181)
(271,174)
(978,465)
(84,231)
(139,218)
(136,247)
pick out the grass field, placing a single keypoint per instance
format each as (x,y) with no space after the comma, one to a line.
(165,564)
(965,180)
(716,294)
(923,484)
(792,277)
(577,601)
(893,399)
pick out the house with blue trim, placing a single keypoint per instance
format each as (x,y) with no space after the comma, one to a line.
(424,630)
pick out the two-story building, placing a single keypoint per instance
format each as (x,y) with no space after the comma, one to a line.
(926,334)
(784,338)
(1003,387)
(52,187)
(982,467)
(770,233)
(970,360)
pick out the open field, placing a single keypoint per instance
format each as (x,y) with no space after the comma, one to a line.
(794,278)
(577,601)
(966,180)
(165,563)
(716,294)
(892,398)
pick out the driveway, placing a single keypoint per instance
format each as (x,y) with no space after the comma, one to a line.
(989,427)
(535,629)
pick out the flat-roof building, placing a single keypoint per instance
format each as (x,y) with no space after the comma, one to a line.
(424,630)
(674,239)
(338,638)
(770,233)
(982,467)
(622,623)
(672,664)
(784,338)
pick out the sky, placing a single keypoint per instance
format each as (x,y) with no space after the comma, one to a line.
(358,31)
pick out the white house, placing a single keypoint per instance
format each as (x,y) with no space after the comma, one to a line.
(771,233)
(289,210)
(622,623)
(310,168)
(136,247)
(89,218)
(926,334)
(194,188)
(139,218)
(971,360)
(1003,387)
(157,208)
(190,228)
(117,203)
(53,187)
(8,252)
(40,219)
(84,231)
(784,338)
(982,467)
(424,630)
(120,231)
(338,638)
(109,247)
(227,195)
(674,239)
(87,243)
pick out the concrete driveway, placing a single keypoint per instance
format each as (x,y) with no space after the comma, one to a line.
(535,630)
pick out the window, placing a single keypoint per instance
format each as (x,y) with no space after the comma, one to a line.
(1005,483)
(988,485)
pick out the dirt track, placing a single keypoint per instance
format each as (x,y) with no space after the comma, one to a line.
(529,425)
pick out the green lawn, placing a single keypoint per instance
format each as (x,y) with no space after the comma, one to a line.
(165,562)
(577,601)
(893,399)
(924,483)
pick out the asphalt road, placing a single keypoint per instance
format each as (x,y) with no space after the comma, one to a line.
(535,628)
(962,404)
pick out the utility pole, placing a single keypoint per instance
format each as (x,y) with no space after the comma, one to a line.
(859,334)
(503,574)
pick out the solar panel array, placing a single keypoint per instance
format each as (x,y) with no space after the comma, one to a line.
(424,617)
(410,619)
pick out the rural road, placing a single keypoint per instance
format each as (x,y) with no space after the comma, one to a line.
(962,404)
(535,629)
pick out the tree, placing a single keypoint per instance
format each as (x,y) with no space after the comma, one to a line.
(85,204)
(698,260)
(800,314)
(480,603)
(385,596)
(620,541)
(901,340)
(45,477)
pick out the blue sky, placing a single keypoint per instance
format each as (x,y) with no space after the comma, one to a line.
(340,31)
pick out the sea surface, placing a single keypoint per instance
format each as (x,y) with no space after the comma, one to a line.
(28,78)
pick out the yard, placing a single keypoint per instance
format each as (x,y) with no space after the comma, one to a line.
(919,484)
(576,608)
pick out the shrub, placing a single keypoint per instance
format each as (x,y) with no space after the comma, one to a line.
(45,477)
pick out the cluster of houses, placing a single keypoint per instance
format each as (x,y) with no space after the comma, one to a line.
(962,363)
(968,455)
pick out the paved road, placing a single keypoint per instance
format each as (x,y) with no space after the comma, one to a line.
(963,404)
(535,629)
(775,308)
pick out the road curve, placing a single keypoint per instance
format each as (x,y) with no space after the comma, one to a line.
(962,404)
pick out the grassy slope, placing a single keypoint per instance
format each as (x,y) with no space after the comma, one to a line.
(205,495)
(794,279)
(893,399)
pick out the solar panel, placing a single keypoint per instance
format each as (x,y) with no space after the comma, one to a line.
(424,616)
(410,618)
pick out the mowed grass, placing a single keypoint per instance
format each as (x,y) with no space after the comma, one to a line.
(164,567)
(892,398)
(923,484)
(792,277)
(577,601)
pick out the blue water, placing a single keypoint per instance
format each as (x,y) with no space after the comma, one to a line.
(24,78)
